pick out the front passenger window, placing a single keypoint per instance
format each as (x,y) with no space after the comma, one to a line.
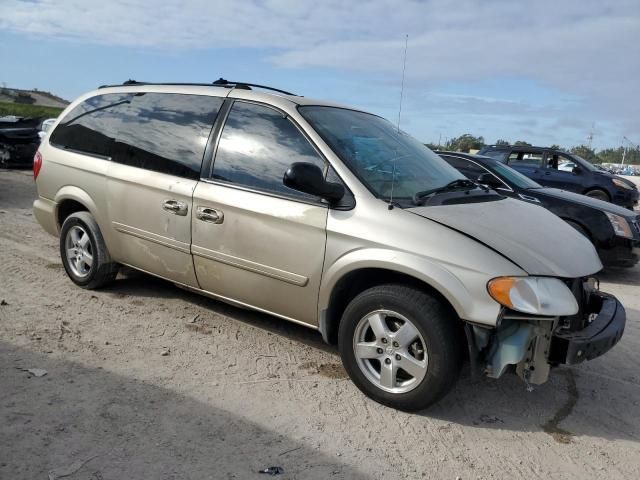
(257,146)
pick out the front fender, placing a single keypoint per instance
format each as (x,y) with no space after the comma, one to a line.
(469,298)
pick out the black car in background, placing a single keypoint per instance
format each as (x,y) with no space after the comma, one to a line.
(19,141)
(614,231)
(559,169)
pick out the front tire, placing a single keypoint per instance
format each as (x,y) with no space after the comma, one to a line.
(84,254)
(598,195)
(401,346)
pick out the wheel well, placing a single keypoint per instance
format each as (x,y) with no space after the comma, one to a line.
(67,207)
(592,189)
(353,283)
(572,222)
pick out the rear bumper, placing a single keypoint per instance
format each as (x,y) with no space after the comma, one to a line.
(608,319)
(44,211)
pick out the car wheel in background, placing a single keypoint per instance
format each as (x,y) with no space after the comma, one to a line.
(579,228)
(598,194)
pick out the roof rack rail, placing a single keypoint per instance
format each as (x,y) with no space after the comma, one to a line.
(224,83)
(221,82)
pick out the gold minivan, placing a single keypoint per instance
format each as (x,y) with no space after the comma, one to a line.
(326,216)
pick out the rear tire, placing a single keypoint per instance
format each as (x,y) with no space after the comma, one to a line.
(375,346)
(598,194)
(84,254)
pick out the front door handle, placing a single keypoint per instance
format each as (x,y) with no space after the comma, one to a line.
(211,215)
(175,207)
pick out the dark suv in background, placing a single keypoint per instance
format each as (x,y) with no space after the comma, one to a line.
(556,168)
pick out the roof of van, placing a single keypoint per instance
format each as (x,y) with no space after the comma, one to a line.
(276,98)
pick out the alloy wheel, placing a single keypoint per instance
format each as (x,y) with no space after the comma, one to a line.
(390,351)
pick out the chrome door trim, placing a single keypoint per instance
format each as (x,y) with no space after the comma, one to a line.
(152,237)
(267,271)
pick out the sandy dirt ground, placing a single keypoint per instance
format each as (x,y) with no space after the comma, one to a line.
(146,381)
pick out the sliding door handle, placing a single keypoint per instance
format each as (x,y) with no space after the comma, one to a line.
(211,215)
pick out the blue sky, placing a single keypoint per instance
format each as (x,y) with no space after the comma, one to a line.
(547,71)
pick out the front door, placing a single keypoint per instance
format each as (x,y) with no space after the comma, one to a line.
(559,173)
(155,167)
(255,241)
(527,163)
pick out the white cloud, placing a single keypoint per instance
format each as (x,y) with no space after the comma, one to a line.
(588,49)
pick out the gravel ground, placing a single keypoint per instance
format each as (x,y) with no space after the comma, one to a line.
(148,381)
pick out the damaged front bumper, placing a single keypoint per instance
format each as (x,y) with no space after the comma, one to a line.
(534,344)
(604,328)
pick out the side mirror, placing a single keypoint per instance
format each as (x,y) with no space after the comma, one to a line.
(308,178)
(489,180)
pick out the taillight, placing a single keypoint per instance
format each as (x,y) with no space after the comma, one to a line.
(37,164)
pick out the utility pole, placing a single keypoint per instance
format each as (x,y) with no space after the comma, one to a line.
(628,143)
(590,136)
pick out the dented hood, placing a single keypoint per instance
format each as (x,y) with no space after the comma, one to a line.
(529,235)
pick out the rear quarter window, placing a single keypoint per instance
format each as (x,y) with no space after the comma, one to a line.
(162,132)
(92,126)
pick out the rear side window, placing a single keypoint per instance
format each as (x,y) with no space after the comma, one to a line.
(525,159)
(257,146)
(92,126)
(166,133)
(499,155)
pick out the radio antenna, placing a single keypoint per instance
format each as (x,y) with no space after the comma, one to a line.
(404,67)
(393,170)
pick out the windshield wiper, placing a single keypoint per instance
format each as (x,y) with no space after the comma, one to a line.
(461,183)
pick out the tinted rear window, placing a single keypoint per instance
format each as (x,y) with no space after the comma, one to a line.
(91,127)
(166,133)
(162,132)
(497,154)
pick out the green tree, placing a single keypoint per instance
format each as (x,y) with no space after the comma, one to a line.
(522,143)
(465,142)
(586,153)
(500,141)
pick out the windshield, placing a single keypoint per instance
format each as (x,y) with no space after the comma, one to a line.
(584,163)
(513,176)
(374,150)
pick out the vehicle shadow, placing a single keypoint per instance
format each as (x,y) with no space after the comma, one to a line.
(574,402)
(591,399)
(134,283)
(598,398)
(104,425)
(621,276)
